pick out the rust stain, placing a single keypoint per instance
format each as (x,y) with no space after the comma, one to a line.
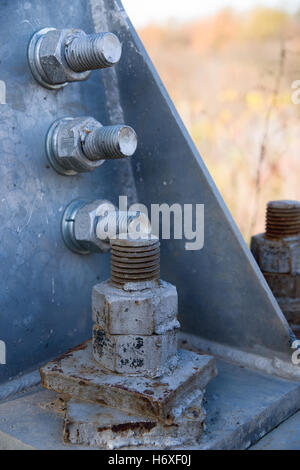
(148,392)
(142,425)
(71,351)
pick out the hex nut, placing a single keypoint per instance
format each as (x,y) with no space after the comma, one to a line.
(145,312)
(286,289)
(84,227)
(134,354)
(277,256)
(291,311)
(284,285)
(52,58)
(64,145)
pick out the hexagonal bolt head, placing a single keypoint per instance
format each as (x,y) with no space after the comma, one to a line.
(81,222)
(57,57)
(84,224)
(145,312)
(83,144)
(135,354)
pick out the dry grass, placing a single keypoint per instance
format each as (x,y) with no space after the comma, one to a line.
(230,78)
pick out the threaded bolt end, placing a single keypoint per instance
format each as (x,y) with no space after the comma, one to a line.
(110,142)
(282,219)
(135,260)
(93,51)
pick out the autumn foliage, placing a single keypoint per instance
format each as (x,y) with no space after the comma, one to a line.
(230,77)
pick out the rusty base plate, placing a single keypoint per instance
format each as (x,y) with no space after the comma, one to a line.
(76,374)
(94,425)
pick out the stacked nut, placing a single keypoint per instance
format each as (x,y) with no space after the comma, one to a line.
(135,313)
(277,253)
(129,386)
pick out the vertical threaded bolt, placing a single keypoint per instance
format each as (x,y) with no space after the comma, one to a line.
(282,219)
(93,51)
(135,260)
(110,142)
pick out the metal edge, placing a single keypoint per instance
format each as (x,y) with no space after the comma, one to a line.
(67,227)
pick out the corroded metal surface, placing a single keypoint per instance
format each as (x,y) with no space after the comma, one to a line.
(277,256)
(99,426)
(149,355)
(134,261)
(78,375)
(286,288)
(152,310)
(119,306)
(242,406)
(55,316)
(277,253)
(283,219)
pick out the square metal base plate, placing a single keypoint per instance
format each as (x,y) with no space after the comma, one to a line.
(76,374)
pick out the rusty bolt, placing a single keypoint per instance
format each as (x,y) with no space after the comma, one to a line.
(277,253)
(283,219)
(135,260)
(135,313)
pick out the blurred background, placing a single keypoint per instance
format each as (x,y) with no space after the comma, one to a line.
(229,67)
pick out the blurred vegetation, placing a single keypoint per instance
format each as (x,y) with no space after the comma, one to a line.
(230,77)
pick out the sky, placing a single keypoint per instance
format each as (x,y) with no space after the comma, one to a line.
(142,12)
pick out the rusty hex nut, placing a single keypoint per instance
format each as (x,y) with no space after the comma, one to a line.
(277,255)
(286,289)
(134,354)
(145,312)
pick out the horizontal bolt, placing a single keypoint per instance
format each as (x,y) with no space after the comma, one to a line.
(110,142)
(93,51)
(77,145)
(60,56)
(82,229)
(120,222)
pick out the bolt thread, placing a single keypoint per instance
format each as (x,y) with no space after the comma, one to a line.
(93,51)
(135,260)
(282,219)
(119,222)
(110,142)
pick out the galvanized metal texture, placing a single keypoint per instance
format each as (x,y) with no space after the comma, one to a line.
(277,253)
(92,51)
(223,298)
(57,57)
(79,145)
(45,298)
